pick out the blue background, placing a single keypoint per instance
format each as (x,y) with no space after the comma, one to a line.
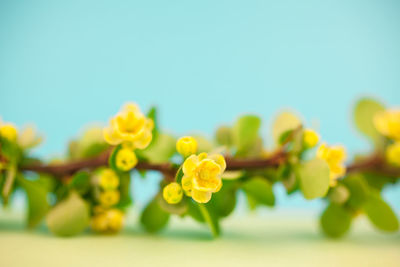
(66,63)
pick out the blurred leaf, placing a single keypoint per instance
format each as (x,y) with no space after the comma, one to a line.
(178,209)
(10,150)
(80,182)
(194,211)
(223,136)
(203,144)
(152,114)
(224,201)
(314,178)
(232,175)
(69,217)
(124,189)
(260,190)
(335,220)
(283,123)
(378,181)
(245,132)
(380,214)
(339,194)
(94,149)
(37,200)
(364,112)
(153,217)
(359,190)
(161,150)
(210,218)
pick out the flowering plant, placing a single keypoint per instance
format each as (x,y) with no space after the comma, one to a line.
(90,187)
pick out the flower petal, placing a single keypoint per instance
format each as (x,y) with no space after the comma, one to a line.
(189,165)
(201,196)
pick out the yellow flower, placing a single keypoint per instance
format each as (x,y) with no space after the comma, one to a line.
(393,154)
(388,123)
(186,146)
(8,131)
(334,156)
(28,137)
(108,221)
(202,176)
(310,138)
(129,126)
(109,198)
(108,179)
(172,193)
(126,159)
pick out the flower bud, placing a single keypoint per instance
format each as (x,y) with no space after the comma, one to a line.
(9,131)
(186,146)
(172,193)
(126,159)
(108,179)
(109,198)
(310,138)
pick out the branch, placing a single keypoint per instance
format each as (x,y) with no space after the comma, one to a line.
(374,163)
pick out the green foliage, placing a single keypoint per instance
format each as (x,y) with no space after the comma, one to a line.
(259,191)
(80,182)
(69,217)
(245,133)
(153,217)
(179,209)
(380,214)
(314,178)
(211,218)
(37,200)
(113,157)
(359,190)
(160,150)
(224,201)
(223,136)
(335,220)
(364,112)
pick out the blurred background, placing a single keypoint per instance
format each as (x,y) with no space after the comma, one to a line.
(64,64)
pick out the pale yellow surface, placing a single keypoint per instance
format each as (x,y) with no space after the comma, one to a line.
(269,240)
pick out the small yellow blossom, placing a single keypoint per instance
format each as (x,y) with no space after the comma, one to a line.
(202,176)
(393,154)
(186,146)
(310,138)
(131,126)
(109,198)
(108,221)
(108,179)
(334,156)
(8,131)
(172,193)
(388,123)
(126,159)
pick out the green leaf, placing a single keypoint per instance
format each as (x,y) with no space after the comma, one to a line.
(80,182)
(260,190)
(194,211)
(314,178)
(37,200)
(161,150)
(224,201)
(210,218)
(380,214)
(152,114)
(245,132)
(69,217)
(335,220)
(284,122)
(153,217)
(223,136)
(364,112)
(359,190)
(203,144)
(113,157)
(339,194)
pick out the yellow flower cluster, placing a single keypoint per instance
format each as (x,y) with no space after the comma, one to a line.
(186,146)
(107,221)
(108,181)
(393,153)
(334,156)
(172,193)
(388,123)
(130,126)
(310,138)
(202,176)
